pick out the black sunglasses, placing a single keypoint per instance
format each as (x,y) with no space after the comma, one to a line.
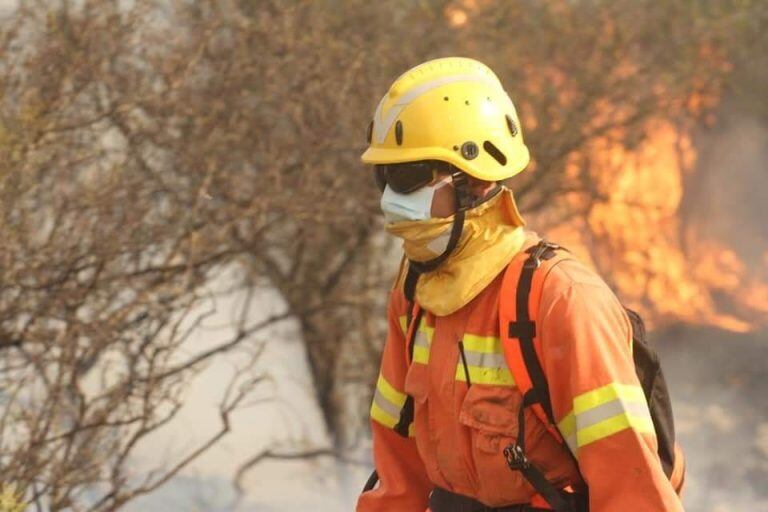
(408,177)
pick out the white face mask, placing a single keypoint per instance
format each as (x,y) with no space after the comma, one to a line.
(414,206)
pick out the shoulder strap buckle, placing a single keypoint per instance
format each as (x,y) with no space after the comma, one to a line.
(516,459)
(541,251)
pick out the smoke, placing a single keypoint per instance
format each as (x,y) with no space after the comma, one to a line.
(718,378)
(718,384)
(725,197)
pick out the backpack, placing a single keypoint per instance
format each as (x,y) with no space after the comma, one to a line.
(520,294)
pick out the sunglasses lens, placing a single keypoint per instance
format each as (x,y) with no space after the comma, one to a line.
(405,178)
(380,176)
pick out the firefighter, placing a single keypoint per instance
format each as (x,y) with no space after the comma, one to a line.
(446,405)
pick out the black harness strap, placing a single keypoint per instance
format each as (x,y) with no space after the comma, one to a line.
(517,461)
(524,329)
(442,500)
(406,413)
(371,482)
(409,288)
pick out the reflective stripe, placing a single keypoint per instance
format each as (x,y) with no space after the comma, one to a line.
(609,410)
(382,416)
(422,343)
(403,320)
(421,355)
(613,425)
(423,339)
(487,344)
(567,427)
(485,362)
(489,376)
(383,122)
(387,403)
(389,392)
(605,394)
(605,411)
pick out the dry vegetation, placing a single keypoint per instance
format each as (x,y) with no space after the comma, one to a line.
(145,146)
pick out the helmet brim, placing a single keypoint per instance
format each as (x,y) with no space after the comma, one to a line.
(495,173)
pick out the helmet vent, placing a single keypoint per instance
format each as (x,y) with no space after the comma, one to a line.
(511,125)
(495,152)
(399,133)
(369,136)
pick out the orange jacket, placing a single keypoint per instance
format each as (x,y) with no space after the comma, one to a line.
(459,433)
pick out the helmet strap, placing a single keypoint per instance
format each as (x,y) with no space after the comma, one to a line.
(464,201)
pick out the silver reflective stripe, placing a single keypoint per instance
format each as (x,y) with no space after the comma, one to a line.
(385,405)
(485,360)
(609,410)
(421,339)
(572,443)
(382,124)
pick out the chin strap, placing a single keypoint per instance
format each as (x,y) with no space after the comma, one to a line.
(464,201)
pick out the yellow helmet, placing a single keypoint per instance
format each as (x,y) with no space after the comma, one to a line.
(452,109)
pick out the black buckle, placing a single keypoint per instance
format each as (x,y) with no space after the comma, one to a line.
(516,459)
(539,252)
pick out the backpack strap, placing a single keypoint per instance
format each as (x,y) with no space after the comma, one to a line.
(518,312)
(521,290)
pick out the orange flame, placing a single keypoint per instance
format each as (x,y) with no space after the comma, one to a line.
(633,237)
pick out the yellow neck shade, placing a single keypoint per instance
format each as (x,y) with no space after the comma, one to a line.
(493,233)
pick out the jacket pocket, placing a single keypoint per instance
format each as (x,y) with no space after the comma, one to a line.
(491,409)
(490,415)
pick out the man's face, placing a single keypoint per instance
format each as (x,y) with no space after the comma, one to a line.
(444,198)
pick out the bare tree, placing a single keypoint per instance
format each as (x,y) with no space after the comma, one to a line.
(103,262)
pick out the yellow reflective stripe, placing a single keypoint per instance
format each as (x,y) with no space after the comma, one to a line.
(605,411)
(386,419)
(489,376)
(613,425)
(613,391)
(485,344)
(382,416)
(421,344)
(420,354)
(389,392)
(485,362)
(567,425)
(387,404)
(426,329)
